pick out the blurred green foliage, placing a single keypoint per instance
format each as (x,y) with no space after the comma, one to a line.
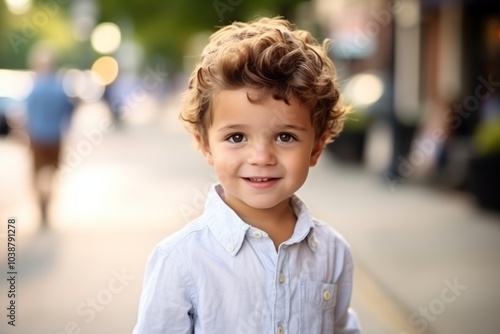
(163,28)
(487,137)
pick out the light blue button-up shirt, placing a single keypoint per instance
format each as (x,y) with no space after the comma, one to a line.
(219,275)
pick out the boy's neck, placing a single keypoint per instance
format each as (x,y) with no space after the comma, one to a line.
(278,222)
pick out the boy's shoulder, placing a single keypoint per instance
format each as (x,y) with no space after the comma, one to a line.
(326,233)
(322,231)
(188,234)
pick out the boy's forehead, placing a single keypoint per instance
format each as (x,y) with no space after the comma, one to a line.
(236,102)
(235,110)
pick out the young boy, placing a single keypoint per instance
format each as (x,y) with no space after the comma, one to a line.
(261,104)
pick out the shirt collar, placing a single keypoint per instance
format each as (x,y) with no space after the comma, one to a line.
(304,228)
(226,226)
(229,229)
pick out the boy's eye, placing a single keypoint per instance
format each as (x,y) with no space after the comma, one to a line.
(236,138)
(285,137)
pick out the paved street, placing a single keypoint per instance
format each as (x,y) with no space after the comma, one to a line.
(427,261)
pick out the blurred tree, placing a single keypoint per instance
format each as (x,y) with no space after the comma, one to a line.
(164,28)
(45,19)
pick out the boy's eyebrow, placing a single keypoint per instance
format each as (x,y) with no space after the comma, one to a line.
(232,127)
(276,127)
(293,127)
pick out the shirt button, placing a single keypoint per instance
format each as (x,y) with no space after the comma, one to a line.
(230,247)
(282,277)
(327,295)
(280,329)
(257,234)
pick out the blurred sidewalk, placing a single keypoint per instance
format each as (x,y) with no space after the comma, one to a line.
(426,261)
(432,255)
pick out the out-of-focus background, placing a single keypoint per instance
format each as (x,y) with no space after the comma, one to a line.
(413,182)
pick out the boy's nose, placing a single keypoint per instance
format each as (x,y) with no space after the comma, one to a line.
(261,155)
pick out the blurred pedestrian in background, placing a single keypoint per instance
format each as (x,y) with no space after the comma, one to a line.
(48,115)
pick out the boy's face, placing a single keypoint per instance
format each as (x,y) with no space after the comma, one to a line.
(262,151)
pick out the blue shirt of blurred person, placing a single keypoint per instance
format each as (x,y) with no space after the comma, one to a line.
(48,108)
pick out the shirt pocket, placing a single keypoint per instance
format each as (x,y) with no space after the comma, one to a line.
(317,307)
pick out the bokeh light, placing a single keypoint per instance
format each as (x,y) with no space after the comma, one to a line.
(106,68)
(18,7)
(84,85)
(106,38)
(364,89)
(16,85)
(73,82)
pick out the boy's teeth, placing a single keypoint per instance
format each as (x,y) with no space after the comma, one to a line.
(256,179)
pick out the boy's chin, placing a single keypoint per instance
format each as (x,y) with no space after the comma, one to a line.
(263,202)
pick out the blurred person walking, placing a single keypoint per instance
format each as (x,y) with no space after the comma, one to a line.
(49,112)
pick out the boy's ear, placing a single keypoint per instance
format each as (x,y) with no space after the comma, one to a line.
(318,147)
(205,149)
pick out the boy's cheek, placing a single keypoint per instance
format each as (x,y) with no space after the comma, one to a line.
(226,164)
(223,177)
(225,168)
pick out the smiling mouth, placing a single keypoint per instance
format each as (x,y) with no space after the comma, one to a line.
(260,179)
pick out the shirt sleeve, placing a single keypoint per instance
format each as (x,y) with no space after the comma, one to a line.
(166,303)
(346,320)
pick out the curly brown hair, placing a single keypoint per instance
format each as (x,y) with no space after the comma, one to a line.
(270,55)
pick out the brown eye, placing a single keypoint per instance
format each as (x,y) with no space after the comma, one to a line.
(285,137)
(236,138)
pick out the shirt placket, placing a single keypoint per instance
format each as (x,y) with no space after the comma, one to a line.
(282,301)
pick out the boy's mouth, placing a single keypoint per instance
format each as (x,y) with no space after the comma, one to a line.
(259,179)
(261,182)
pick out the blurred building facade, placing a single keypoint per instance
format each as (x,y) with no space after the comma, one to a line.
(438,64)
